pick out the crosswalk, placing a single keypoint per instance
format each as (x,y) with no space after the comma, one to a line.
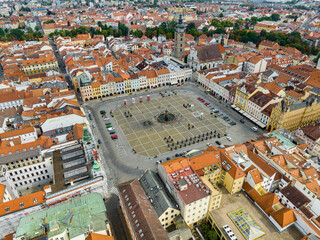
(121,150)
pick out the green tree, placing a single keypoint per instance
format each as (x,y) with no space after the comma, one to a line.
(314,50)
(221,15)
(49,21)
(205,30)
(275,17)
(29,30)
(16,34)
(36,28)
(251,8)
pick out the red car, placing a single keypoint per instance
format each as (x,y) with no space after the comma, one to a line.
(113,137)
(202,100)
(199,98)
(207,104)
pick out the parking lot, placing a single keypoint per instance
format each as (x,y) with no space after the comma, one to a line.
(158,138)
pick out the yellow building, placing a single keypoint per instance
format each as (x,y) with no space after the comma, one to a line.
(127,85)
(152,78)
(39,65)
(292,115)
(96,91)
(216,167)
(243,93)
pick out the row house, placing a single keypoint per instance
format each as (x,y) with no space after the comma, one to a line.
(119,85)
(11,100)
(39,65)
(25,134)
(258,102)
(163,77)
(311,136)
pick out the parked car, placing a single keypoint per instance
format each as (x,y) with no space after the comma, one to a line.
(202,100)
(90,116)
(254,129)
(216,111)
(207,103)
(112,132)
(199,98)
(242,121)
(109,126)
(233,123)
(99,141)
(111,129)
(209,144)
(212,108)
(219,114)
(229,139)
(218,142)
(108,123)
(102,112)
(106,119)
(113,137)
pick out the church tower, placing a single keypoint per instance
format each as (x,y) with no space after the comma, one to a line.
(179,39)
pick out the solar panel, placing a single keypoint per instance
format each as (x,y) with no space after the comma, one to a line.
(72,155)
(67,149)
(73,163)
(75,172)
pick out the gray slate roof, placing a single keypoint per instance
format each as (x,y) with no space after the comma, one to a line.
(156,192)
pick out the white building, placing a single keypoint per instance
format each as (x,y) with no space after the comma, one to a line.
(185,186)
(255,65)
(11,100)
(27,134)
(207,56)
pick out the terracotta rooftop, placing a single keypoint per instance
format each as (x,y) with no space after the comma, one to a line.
(142,217)
(20,203)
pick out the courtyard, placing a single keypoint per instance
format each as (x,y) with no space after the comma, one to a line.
(148,137)
(247,221)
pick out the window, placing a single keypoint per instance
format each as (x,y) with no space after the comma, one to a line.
(21,204)
(35,200)
(7,209)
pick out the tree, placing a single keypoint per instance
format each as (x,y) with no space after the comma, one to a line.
(204,29)
(29,30)
(275,17)
(36,28)
(49,21)
(220,31)
(221,15)
(16,34)
(251,8)
(314,50)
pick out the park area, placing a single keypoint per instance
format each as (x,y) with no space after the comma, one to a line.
(164,124)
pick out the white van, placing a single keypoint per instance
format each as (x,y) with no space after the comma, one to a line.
(254,129)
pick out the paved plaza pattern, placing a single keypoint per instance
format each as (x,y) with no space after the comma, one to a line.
(150,138)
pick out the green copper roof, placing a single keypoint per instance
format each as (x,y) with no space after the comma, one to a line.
(75,216)
(96,166)
(86,135)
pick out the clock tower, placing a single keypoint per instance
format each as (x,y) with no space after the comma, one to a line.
(179,39)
